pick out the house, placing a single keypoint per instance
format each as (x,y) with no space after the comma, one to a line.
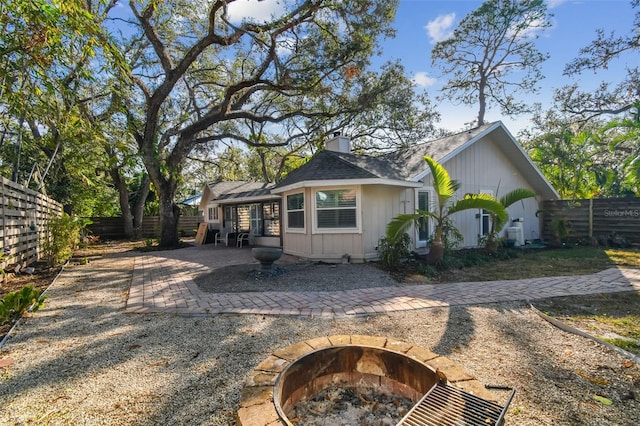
(338,204)
(239,207)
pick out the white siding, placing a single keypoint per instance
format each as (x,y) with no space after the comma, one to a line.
(378,204)
(483,166)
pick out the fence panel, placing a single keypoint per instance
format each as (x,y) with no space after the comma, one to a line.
(24,214)
(112,227)
(596,218)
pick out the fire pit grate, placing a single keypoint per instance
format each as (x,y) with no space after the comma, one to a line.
(446,405)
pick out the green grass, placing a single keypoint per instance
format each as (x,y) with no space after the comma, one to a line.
(627,345)
(599,314)
(474,265)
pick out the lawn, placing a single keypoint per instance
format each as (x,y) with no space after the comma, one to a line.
(612,317)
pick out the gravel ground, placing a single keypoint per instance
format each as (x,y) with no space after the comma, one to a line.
(82,360)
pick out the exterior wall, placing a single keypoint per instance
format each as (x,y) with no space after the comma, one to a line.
(483,167)
(378,204)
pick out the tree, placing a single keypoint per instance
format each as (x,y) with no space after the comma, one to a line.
(609,98)
(445,188)
(491,43)
(586,159)
(194,73)
(45,49)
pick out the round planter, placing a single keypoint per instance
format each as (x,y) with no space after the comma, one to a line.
(266,256)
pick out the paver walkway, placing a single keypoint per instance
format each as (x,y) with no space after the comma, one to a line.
(162,282)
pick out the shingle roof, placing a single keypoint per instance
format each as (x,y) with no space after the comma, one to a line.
(229,190)
(403,164)
(410,161)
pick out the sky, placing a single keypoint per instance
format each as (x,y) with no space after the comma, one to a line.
(420,24)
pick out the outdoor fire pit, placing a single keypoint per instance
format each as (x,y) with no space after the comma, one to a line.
(373,369)
(367,372)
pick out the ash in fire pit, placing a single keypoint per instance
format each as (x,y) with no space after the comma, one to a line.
(350,407)
(354,384)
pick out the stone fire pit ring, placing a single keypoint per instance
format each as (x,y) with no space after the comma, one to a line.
(257,407)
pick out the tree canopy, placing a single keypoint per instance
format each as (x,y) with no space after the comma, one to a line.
(492,55)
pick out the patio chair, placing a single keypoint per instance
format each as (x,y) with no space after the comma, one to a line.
(222,237)
(242,237)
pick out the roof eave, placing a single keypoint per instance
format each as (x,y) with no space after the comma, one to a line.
(344,182)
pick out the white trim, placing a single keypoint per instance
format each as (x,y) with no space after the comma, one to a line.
(285,216)
(314,218)
(418,242)
(344,182)
(481,216)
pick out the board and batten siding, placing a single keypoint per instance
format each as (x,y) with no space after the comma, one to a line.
(380,204)
(484,167)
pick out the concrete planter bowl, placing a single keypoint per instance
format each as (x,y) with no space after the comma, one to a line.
(266,256)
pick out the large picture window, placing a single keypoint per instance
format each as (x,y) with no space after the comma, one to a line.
(336,208)
(295,211)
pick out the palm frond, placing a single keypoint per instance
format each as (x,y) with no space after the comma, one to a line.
(442,183)
(515,196)
(401,223)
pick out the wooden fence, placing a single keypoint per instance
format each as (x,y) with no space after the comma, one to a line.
(23,218)
(597,218)
(112,227)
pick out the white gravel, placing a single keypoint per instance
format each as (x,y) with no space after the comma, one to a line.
(81,360)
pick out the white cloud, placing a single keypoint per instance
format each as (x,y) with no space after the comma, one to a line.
(440,28)
(423,80)
(255,10)
(554,3)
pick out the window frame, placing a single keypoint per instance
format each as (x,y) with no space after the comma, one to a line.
(357,229)
(423,243)
(303,229)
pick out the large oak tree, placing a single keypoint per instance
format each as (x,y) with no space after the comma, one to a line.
(194,75)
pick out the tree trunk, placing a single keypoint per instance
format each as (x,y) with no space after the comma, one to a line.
(123,198)
(436,253)
(138,208)
(169,214)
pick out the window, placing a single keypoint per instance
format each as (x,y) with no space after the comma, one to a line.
(295,211)
(271,214)
(213,213)
(336,208)
(423,222)
(230,215)
(255,219)
(485,219)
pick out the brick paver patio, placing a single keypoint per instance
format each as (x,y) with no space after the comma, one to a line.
(162,282)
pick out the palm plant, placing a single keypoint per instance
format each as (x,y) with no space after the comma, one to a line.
(445,188)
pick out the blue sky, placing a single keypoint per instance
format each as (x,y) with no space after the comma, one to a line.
(421,23)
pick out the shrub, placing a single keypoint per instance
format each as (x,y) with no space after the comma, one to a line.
(16,303)
(62,235)
(391,254)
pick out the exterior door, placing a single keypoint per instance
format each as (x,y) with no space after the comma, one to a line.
(422,231)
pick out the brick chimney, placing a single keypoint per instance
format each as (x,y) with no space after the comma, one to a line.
(339,143)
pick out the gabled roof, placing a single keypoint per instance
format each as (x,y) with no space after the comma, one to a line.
(406,167)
